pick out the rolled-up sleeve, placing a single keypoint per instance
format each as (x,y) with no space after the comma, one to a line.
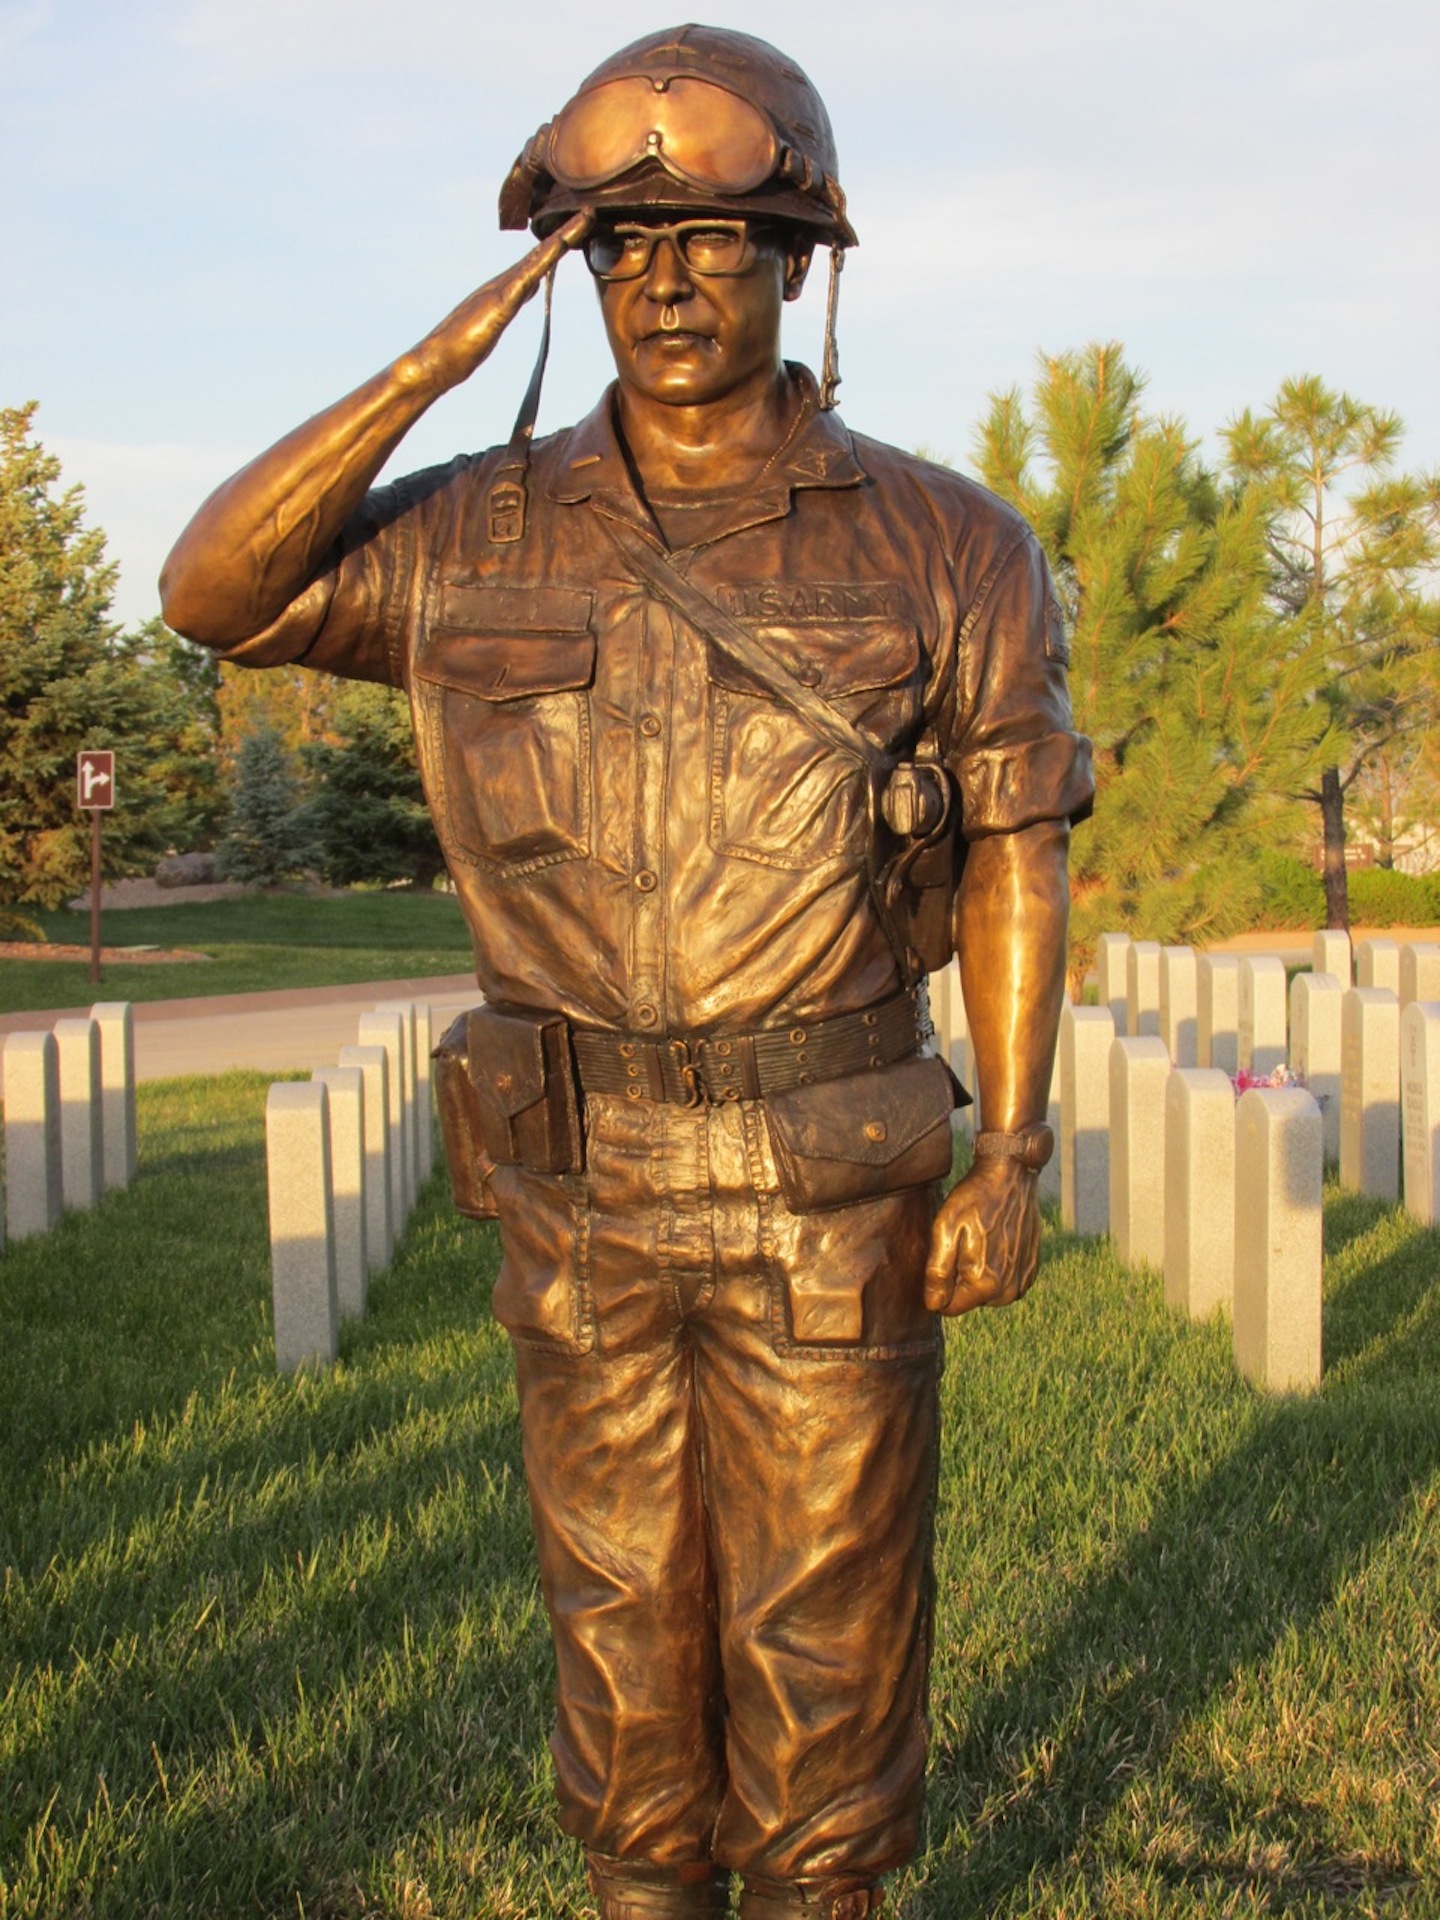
(1015,755)
(354,618)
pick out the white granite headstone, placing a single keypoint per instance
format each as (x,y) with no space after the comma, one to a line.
(82,1139)
(1420,1102)
(1278,1179)
(1370,1092)
(1113,967)
(1316,1003)
(33,1191)
(302,1224)
(1086,1035)
(1262,1013)
(1139,1069)
(1179,1005)
(1199,1190)
(380,1234)
(345,1092)
(1217,982)
(116,1022)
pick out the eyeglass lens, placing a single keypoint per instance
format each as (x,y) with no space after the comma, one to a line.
(706,246)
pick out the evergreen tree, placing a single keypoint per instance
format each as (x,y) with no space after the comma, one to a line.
(1356,573)
(1199,698)
(69,678)
(367,813)
(265,838)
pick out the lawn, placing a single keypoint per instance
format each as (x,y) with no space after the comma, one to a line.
(255,942)
(276,1647)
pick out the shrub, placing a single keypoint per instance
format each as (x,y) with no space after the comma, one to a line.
(1293,894)
(1382,898)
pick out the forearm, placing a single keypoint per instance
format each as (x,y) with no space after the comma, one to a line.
(1011,917)
(260,538)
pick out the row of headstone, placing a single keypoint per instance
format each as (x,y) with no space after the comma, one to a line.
(1221,1198)
(1151,1145)
(69,1117)
(347,1153)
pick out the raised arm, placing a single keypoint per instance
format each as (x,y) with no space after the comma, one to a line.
(265,533)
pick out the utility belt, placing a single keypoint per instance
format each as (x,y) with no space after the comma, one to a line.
(511,1087)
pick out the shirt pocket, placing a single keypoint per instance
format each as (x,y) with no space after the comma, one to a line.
(501,690)
(780,794)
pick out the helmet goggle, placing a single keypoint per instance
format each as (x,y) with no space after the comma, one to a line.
(715,249)
(700,133)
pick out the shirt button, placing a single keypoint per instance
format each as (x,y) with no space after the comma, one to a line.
(645,1014)
(646,881)
(650,726)
(808,674)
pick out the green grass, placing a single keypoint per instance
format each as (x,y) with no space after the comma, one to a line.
(275,1646)
(255,942)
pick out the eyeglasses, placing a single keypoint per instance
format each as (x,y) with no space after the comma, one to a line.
(699,133)
(716,249)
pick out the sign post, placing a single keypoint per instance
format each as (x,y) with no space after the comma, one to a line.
(95,792)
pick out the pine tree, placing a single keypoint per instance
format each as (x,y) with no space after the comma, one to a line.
(265,839)
(70,678)
(367,811)
(1356,573)
(1199,698)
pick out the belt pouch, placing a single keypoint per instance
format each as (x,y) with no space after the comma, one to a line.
(526,1091)
(864,1135)
(466,1159)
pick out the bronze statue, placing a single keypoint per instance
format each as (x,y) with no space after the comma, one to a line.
(703,689)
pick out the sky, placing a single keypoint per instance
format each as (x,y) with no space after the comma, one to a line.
(219,215)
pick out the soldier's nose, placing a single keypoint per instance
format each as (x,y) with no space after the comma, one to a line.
(668,278)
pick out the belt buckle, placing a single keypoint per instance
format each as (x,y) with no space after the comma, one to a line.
(689,1058)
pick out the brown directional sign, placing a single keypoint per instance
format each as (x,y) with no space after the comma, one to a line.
(95,778)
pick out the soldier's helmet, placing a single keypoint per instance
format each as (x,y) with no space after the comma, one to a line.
(689,117)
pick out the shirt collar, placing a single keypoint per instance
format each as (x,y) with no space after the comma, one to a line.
(589,463)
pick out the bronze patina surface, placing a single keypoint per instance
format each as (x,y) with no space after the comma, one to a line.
(693,684)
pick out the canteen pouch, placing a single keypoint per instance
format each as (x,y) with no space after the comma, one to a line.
(527,1097)
(864,1135)
(466,1160)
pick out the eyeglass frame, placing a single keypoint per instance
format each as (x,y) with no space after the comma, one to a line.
(748,229)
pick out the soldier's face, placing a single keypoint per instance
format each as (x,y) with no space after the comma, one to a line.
(684,337)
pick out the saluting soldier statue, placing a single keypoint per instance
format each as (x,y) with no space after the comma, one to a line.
(732,722)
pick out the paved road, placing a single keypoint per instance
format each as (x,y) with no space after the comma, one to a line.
(272,1032)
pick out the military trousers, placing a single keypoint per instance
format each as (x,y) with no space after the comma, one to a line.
(729,1414)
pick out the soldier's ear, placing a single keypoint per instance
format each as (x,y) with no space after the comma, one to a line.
(799,251)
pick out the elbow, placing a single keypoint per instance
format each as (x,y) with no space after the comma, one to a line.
(190,604)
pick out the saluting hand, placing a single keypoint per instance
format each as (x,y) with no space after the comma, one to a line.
(467,337)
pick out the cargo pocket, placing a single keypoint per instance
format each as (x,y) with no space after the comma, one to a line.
(779,794)
(502,706)
(542,1297)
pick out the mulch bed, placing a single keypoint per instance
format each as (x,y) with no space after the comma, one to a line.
(110,956)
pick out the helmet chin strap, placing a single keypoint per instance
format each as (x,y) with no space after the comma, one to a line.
(830,365)
(506,504)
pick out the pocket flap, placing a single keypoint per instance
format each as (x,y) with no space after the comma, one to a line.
(835,660)
(507,1060)
(866,1119)
(509,666)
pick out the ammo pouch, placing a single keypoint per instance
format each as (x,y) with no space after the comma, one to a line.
(918,805)
(864,1135)
(508,1096)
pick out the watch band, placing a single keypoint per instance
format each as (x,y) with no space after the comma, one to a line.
(1031,1146)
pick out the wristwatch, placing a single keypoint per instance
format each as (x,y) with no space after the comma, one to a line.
(1031,1146)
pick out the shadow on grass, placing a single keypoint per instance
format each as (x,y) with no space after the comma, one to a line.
(1229,1567)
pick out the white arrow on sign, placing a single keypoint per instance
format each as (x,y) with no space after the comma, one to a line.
(92,777)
